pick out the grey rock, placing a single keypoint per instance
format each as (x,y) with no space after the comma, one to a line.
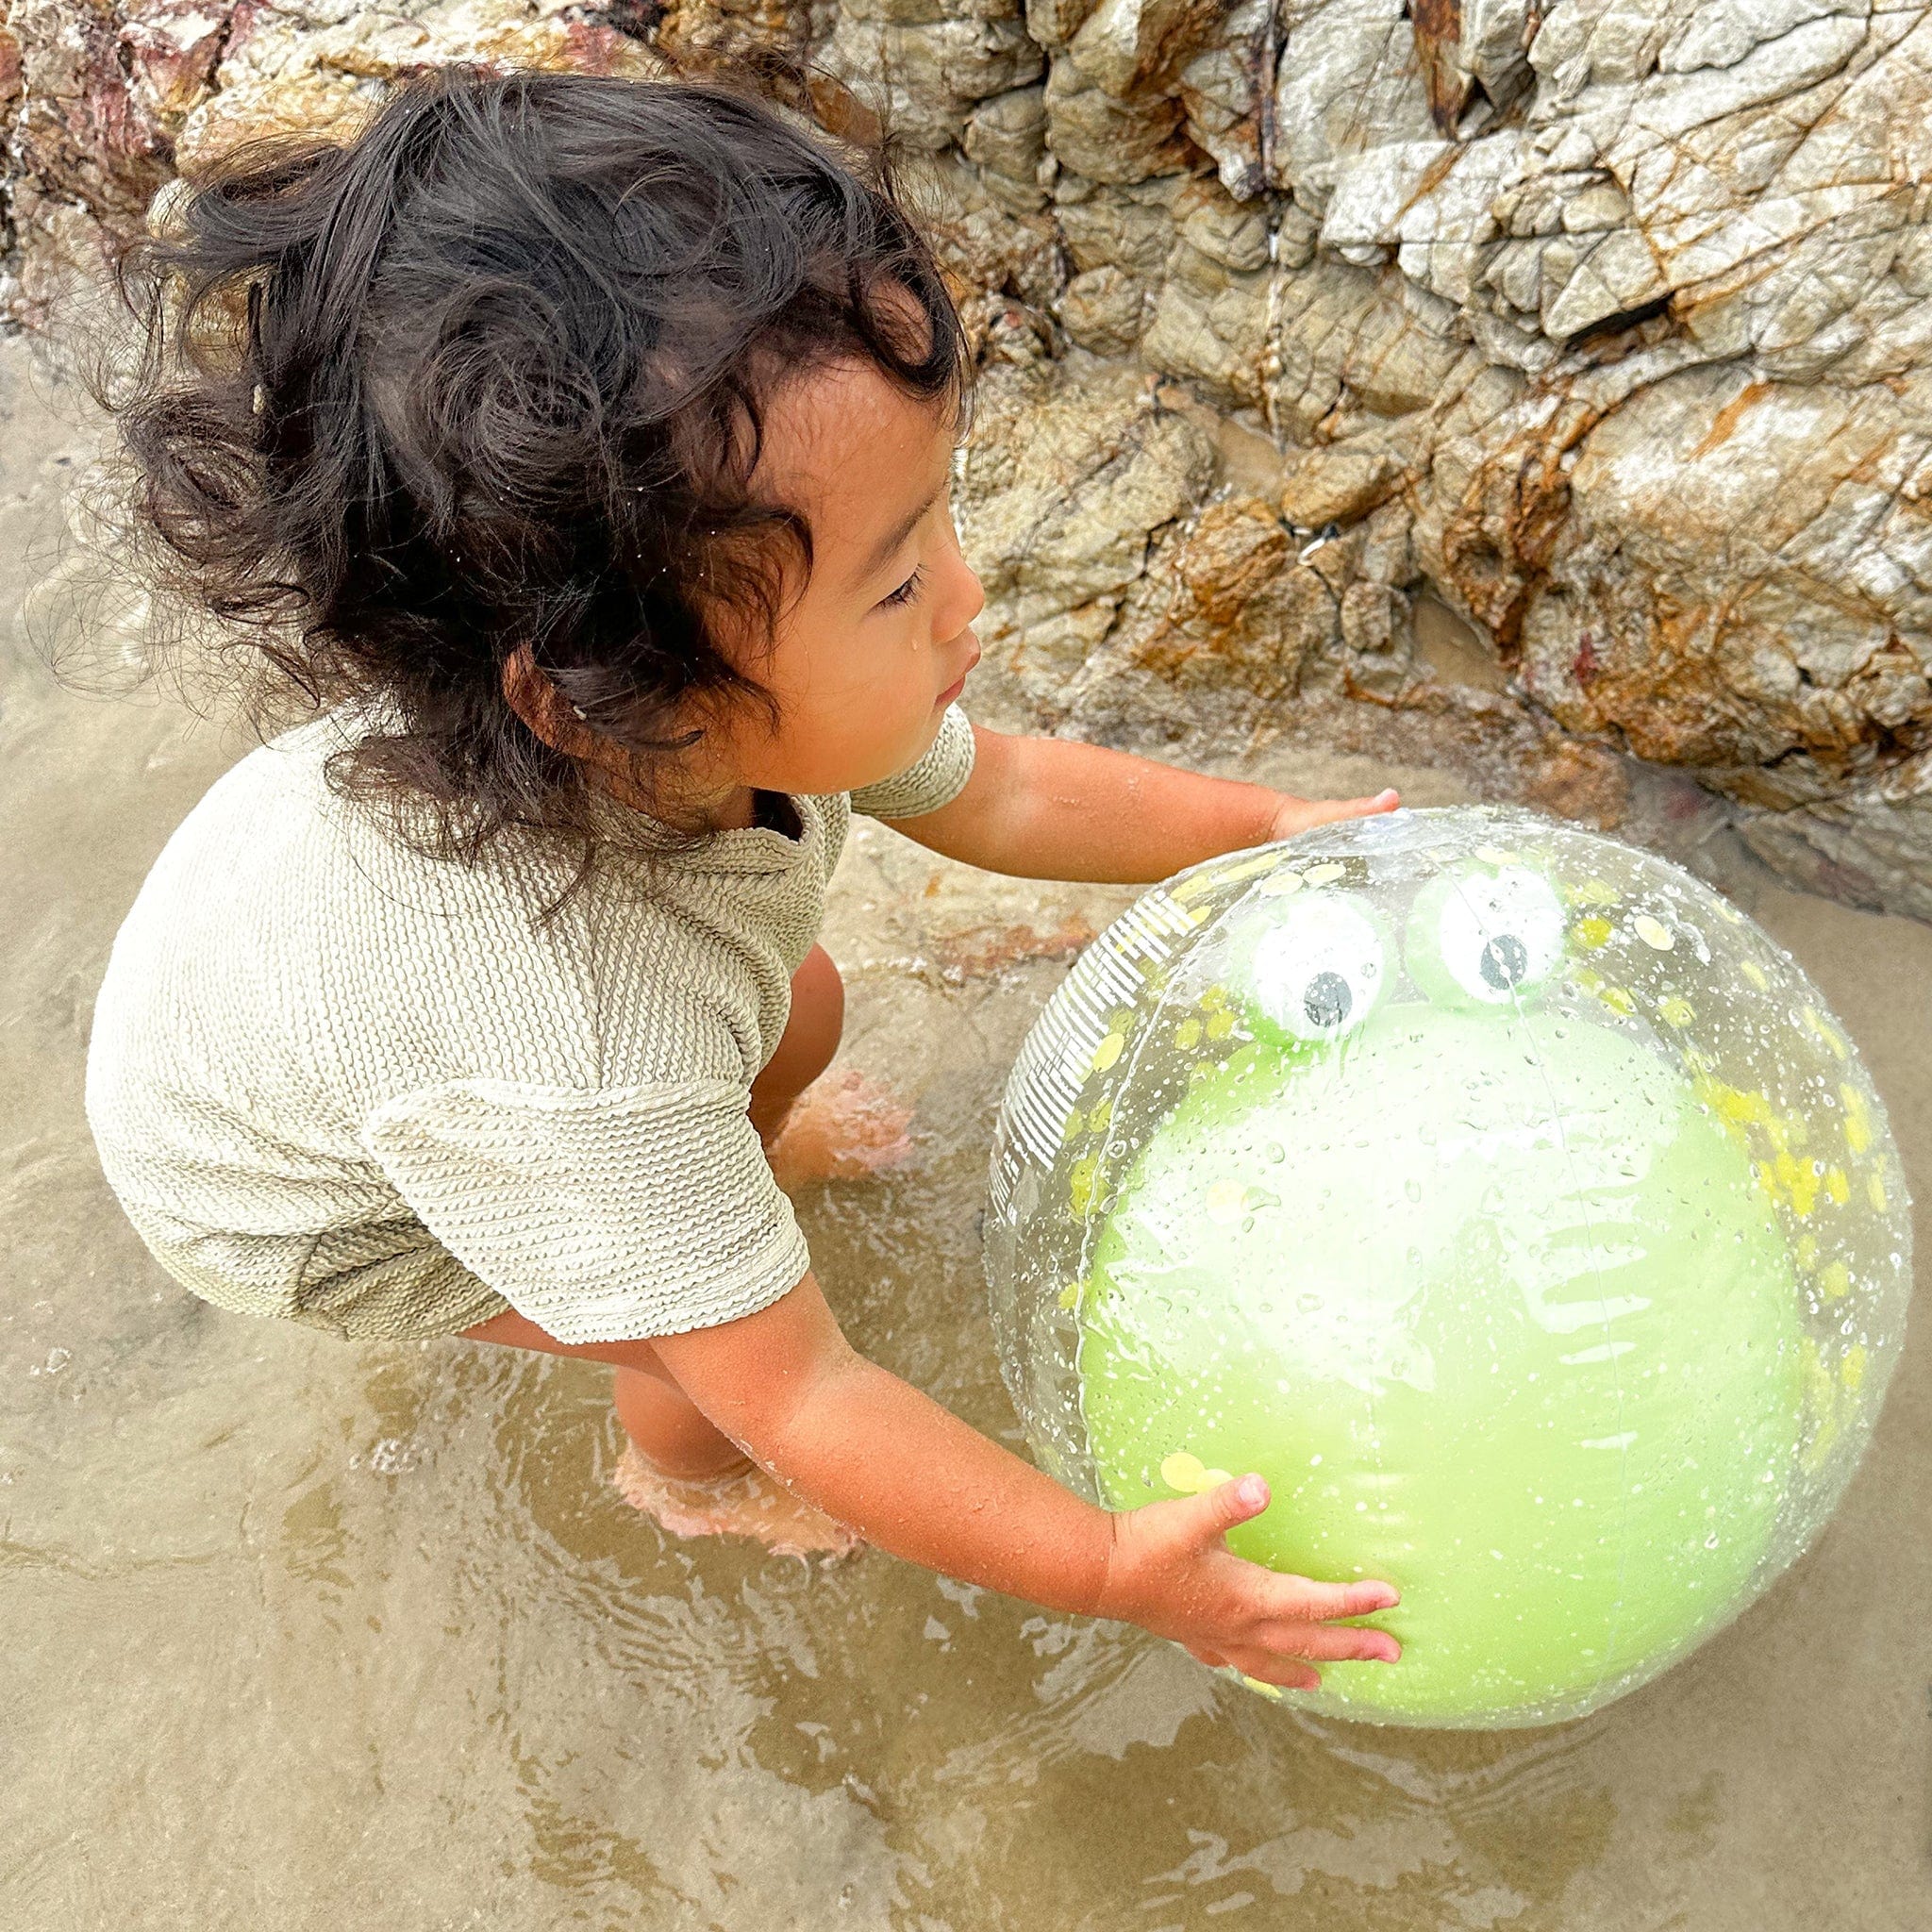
(923,77)
(1105,309)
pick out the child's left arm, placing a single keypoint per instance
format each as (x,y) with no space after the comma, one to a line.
(1051,809)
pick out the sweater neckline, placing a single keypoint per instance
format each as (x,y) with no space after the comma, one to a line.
(741,849)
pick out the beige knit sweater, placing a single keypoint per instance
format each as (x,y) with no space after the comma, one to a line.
(335,1080)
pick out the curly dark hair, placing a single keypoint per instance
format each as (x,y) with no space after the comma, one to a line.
(494,374)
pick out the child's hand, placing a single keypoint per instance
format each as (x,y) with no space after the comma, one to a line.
(1299,814)
(1171,1570)
(873,1452)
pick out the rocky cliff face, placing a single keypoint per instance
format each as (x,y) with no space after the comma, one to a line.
(1533,386)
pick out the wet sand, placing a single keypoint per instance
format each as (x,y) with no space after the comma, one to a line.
(310,1636)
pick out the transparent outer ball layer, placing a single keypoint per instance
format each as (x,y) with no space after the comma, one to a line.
(1503,1195)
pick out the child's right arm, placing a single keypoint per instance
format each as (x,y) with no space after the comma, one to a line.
(871,1450)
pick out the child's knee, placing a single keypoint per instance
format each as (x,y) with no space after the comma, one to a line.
(818,1019)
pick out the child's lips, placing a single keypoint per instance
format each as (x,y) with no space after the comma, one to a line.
(953,689)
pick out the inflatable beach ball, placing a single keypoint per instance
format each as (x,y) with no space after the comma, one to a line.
(1502,1194)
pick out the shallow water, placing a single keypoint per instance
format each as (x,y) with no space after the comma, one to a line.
(304,1635)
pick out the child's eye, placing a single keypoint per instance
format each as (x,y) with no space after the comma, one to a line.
(909,589)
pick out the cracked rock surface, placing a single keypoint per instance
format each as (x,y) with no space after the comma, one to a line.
(1541,387)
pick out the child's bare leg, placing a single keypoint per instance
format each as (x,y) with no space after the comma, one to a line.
(658,1416)
(842,1128)
(676,1467)
(669,1430)
(806,1048)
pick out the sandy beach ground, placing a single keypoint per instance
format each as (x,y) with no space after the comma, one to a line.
(303,1636)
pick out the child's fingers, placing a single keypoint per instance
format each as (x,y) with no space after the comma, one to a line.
(1300,1600)
(1298,815)
(1268,1667)
(1218,1510)
(1330,810)
(1332,1643)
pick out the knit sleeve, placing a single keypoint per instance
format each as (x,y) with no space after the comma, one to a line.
(605,1215)
(936,780)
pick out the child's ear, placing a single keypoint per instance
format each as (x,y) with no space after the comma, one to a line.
(539,703)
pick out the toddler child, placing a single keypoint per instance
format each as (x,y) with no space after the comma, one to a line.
(578,450)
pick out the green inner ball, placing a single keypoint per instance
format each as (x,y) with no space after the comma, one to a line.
(1502,1317)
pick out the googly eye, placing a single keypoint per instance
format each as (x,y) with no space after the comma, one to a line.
(1492,936)
(1321,967)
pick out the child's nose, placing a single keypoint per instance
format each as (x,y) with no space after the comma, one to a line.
(961,599)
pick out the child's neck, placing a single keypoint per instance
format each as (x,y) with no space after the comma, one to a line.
(732,808)
(734,813)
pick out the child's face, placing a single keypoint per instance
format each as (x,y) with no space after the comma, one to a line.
(869,653)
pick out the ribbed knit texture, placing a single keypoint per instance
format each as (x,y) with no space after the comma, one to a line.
(336,1081)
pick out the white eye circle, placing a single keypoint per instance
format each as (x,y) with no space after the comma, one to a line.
(1499,934)
(1320,969)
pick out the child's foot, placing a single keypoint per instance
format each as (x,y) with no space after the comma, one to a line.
(744,1502)
(841,1128)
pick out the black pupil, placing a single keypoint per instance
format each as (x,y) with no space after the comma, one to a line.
(1506,958)
(1327,999)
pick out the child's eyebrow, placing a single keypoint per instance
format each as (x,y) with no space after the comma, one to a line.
(882,550)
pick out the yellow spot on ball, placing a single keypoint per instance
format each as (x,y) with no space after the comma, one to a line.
(1107,1052)
(1273,1691)
(1755,975)
(1324,874)
(1617,1000)
(1080,1183)
(1213,1479)
(1837,1185)
(1593,932)
(1077,1122)
(1593,893)
(1219,1023)
(1831,1036)
(1226,872)
(1875,1191)
(1673,1012)
(1070,1295)
(1653,932)
(1835,1281)
(1183,1472)
(1186,1036)
(1279,885)
(1858,1119)
(1227,1201)
(1821,1392)
(1851,1369)
(1820,1406)
(1798,1183)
